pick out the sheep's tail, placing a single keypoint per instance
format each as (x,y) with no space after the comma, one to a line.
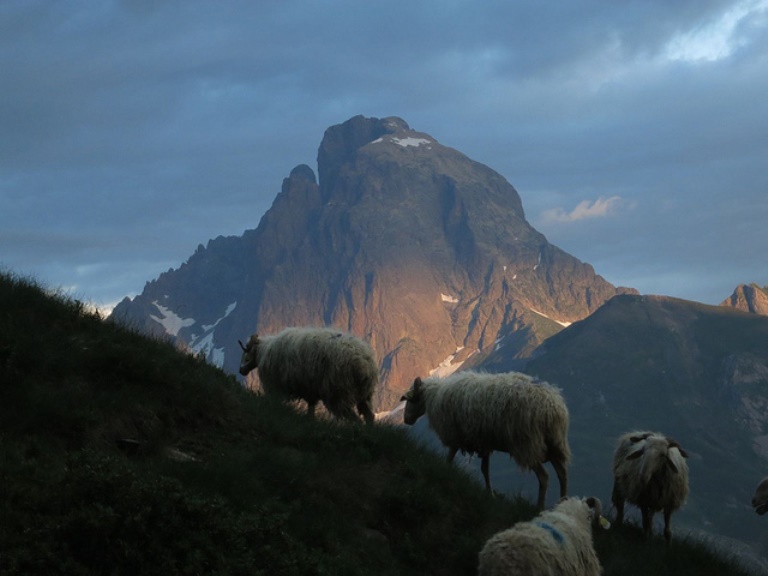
(558,449)
(557,423)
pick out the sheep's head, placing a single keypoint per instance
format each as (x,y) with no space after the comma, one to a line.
(655,452)
(595,508)
(415,402)
(760,499)
(250,357)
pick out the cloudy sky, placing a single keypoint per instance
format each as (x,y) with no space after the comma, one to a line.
(635,132)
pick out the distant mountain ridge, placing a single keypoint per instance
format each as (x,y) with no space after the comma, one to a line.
(403,241)
(750,298)
(696,372)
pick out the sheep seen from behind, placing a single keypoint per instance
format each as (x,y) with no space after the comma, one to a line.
(760,499)
(316,364)
(558,541)
(649,471)
(511,412)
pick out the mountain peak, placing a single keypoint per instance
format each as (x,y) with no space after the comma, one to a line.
(401,240)
(341,142)
(749,298)
(303,172)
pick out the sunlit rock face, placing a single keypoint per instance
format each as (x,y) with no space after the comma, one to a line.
(401,240)
(750,298)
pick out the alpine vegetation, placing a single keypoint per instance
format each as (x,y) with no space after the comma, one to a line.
(649,471)
(558,541)
(316,364)
(511,412)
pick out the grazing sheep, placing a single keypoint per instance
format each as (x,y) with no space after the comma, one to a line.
(649,471)
(760,499)
(479,413)
(558,541)
(315,364)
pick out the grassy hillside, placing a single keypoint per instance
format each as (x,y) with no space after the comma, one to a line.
(121,455)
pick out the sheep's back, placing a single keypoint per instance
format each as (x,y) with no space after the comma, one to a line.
(558,541)
(500,412)
(316,364)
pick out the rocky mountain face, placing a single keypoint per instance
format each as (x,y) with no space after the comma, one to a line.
(403,241)
(695,372)
(750,298)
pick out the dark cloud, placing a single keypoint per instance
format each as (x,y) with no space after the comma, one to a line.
(135,130)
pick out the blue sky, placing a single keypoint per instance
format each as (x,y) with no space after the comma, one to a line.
(636,133)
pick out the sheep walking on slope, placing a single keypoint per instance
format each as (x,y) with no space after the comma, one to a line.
(481,413)
(649,471)
(760,499)
(316,364)
(558,541)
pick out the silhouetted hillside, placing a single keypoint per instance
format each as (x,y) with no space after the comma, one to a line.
(121,455)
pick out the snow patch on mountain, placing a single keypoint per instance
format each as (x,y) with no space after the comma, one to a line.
(203,343)
(408,141)
(170,321)
(447,367)
(548,318)
(416,142)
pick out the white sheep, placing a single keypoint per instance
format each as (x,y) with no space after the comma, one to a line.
(649,471)
(558,541)
(511,412)
(760,499)
(316,364)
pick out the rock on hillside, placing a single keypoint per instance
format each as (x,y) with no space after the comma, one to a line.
(403,241)
(750,298)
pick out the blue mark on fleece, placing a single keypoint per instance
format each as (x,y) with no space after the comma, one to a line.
(559,538)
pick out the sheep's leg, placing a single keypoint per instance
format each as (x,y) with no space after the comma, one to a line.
(485,458)
(647,515)
(562,477)
(543,477)
(618,501)
(311,409)
(344,412)
(366,411)
(452,454)
(667,530)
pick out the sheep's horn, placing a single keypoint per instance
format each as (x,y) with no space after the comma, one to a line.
(671,465)
(673,444)
(241,346)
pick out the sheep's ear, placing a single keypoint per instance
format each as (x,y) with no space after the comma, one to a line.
(671,465)
(635,455)
(407,396)
(241,346)
(636,439)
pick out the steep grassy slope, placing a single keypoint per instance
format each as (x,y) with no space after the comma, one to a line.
(121,455)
